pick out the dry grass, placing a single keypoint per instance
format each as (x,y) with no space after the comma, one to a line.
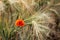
(41,19)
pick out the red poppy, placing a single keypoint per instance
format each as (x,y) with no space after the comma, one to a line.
(19,23)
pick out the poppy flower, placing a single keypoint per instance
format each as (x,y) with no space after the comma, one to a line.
(19,23)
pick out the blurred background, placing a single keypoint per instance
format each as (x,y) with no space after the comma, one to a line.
(41,17)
